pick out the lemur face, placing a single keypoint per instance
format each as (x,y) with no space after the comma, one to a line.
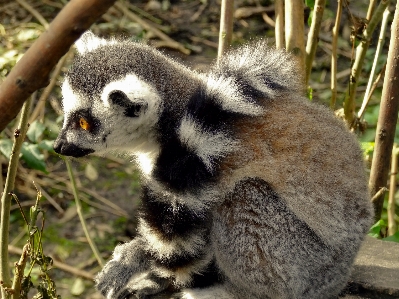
(121,118)
(104,110)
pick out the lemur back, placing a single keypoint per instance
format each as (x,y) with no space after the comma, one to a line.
(249,190)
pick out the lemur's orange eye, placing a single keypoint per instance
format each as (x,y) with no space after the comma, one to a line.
(84,124)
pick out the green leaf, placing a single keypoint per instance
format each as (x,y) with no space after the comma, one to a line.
(6,147)
(393,238)
(46,145)
(35,131)
(367,148)
(32,157)
(310,17)
(310,93)
(376,228)
(310,3)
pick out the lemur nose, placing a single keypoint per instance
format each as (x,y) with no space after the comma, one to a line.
(57,146)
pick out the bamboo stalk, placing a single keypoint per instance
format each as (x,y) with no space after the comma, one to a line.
(313,36)
(392,227)
(371,8)
(226,26)
(380,45)
(387,118)
(294,31)
(279,29)
(334,56)
(361,49)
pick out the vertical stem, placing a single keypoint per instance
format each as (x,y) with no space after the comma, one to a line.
(370,10)
(294,31)
(313,36)
(5,276)
(392,227)
(80,213)
(334,56)
(361,49)
(380,45)
(226,26)
(387,118)
(279,29)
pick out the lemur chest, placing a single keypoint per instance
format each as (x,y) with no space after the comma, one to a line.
(172,218)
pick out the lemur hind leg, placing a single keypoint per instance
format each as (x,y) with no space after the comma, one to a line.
(266,251)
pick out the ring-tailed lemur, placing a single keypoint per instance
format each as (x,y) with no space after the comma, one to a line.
(249,190)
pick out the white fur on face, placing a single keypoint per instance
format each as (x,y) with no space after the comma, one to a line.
(71,101)
(135,89)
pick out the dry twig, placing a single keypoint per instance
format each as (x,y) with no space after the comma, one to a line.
(19,135)
(168,42)
(59,265)
(34,12)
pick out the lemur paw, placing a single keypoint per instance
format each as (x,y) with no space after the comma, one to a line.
(128,285)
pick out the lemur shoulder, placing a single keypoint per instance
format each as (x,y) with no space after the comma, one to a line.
(249,190)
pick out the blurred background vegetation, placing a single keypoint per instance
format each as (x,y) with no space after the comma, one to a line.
(109,186)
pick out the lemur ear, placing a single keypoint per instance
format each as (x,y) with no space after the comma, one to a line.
(89,42)
(132,109)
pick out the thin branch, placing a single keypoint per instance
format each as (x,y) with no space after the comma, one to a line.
(313,36)
(361,49)
(80,213)
(226,26)
(378,50)
(19,135)
(387,117)
(392,227)
(380,193)
(279,30)
(334,56)
(32,70)
(373,87)
(34,13)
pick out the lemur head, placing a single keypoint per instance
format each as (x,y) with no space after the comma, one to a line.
(108,102)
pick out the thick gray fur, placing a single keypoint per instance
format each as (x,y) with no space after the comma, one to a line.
(286,204)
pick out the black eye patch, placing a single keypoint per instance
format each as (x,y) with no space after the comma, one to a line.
(119,98)
(84,119)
